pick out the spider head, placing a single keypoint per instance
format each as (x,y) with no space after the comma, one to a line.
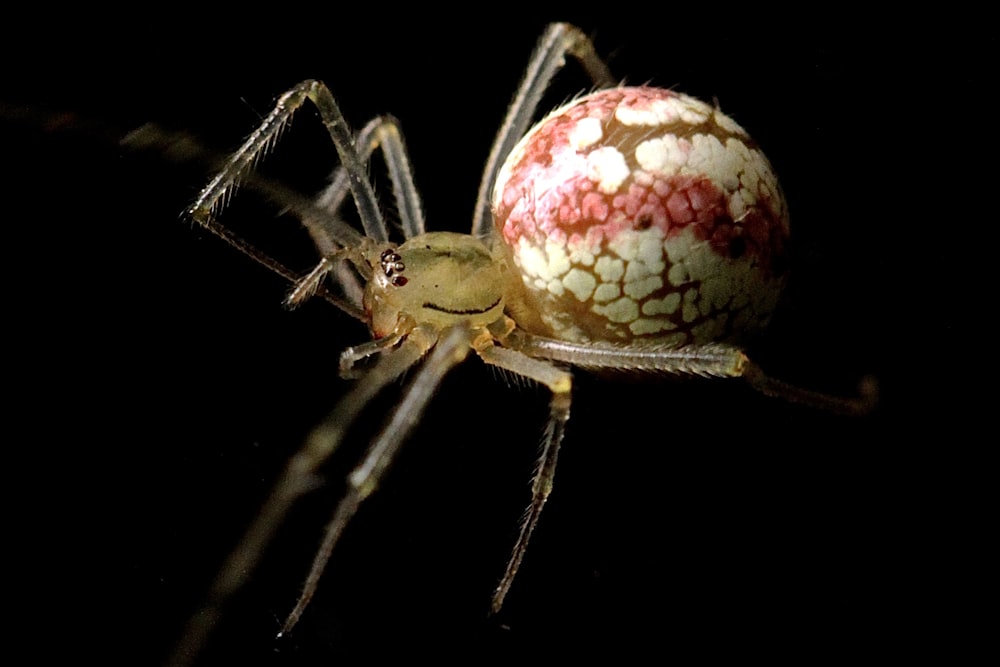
(440,279)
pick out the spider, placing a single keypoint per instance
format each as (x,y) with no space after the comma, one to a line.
(633,229)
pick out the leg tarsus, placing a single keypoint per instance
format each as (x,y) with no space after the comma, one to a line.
(346,509)
(862,404)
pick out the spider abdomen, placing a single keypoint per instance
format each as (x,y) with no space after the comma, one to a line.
(640,213)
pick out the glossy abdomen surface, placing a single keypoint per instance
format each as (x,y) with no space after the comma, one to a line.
(642,214)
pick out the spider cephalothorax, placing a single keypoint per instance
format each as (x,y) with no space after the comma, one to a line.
(437,278)
(635,229)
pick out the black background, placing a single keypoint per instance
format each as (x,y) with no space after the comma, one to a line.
(159,386)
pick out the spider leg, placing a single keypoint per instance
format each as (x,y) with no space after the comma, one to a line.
(352,355)
(548,58)
(862,404)
(382,132)
(181,147)
(712,360)
(297,479)
(451,348)
(328,232)
(213,197)
(559,383)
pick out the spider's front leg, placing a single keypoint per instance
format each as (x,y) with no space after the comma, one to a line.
(382,132)
(299,477)
(213,197)
(449,349)
(335,241)
(329,233)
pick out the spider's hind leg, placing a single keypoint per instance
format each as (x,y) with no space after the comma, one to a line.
(707,360)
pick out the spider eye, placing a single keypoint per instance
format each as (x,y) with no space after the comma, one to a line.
(392,264)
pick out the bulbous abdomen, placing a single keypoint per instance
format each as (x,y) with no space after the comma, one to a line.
(640,213)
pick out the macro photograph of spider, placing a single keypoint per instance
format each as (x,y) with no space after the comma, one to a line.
(331,435)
